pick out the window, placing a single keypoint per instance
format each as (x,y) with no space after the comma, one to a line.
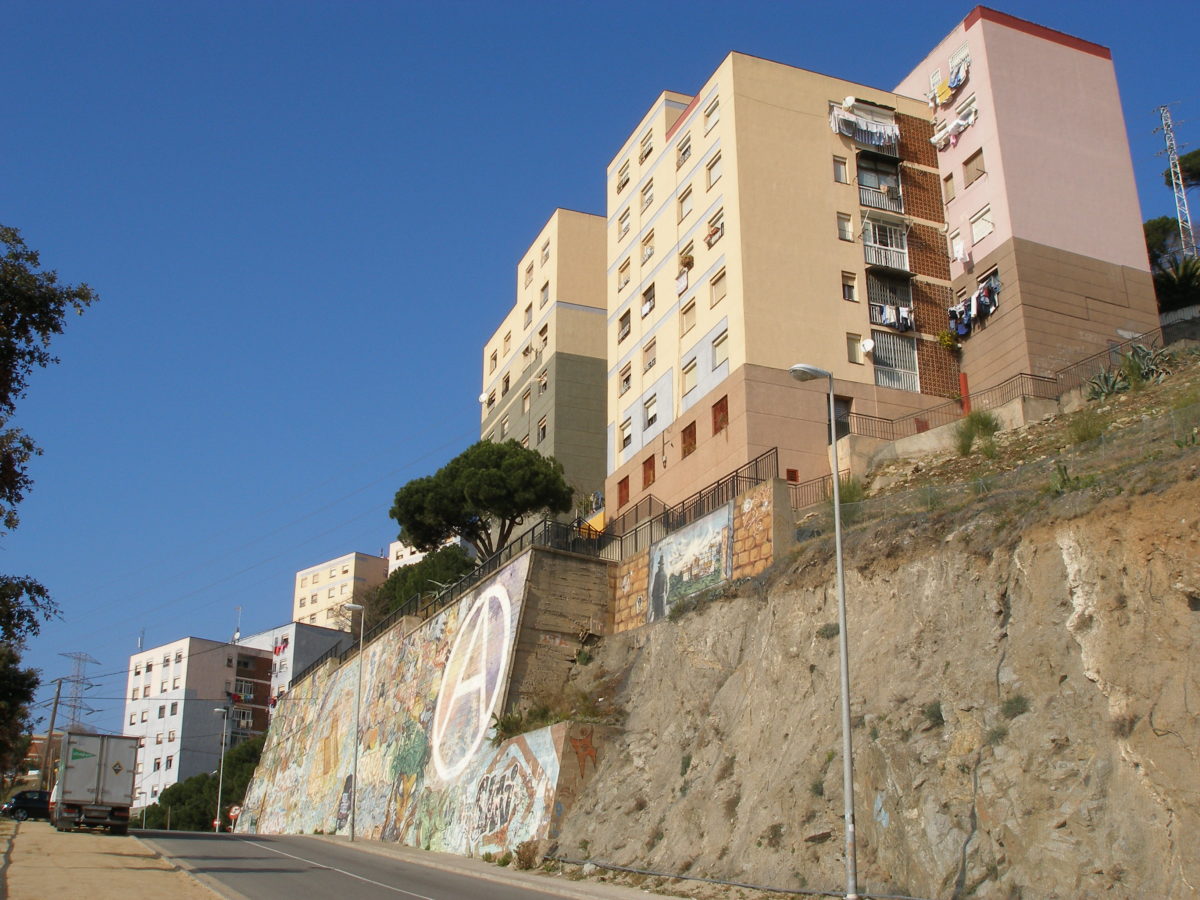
(841,173)
(546,252)
(960,56)
(174,710)
(330,613)
(973,167)
(504,428)
(543,382)
(624,380)
(878,175)
(685,203)
(178,656)
(935,79)
(948,188)
(684,151)
(529,310)
(330,593)
(623,176)
(895,361)
(146,691)
(688,380)
(312,619)
(623,276)
(647,195)
(849,283)
(647,246)
(648,301)
(647,472)
(316,578)
(717,288)
(149,667)
(854,351)
(167,660)
(303,600)
(622,492)
(170,762)
(175,683)
(162,712)
(958,249)
(647,146)
(720,415)
(712,114)
(541,429)
(133,717)
(626,433)
(544,297)
(162,688)
(158,738)
(720,349)
(623,325)
(145,715)
(135,694)
(649,355)
(157,763)
(137,670)
(526,399)
(544,336)
(687,318)
(491,400)
(716,228)
(981,224)
(714,170)
(650,412)
(505,384)
(507,347)
(623,223)
(845,229)
(687,439)
(528,274)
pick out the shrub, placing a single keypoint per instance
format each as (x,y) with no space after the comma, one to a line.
(583,656)
(817,788)
(504,858)
(1087,425)
(976,424)
(527,854)
(828,630)
(488,857)
(685,764)
(1014,706)
(995,735)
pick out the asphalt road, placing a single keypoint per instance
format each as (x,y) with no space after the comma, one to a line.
(294,867)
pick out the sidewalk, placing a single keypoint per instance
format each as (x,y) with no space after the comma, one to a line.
(43,864)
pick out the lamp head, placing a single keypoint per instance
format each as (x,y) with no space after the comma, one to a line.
(804,372)
(353,607)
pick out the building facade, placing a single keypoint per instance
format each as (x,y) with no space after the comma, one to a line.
(543,368)
(322,590)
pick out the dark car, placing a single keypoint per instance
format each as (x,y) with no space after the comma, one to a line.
(27,805)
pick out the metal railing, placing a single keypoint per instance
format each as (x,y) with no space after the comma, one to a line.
(804,494)
(890,257)
(646,508)
(888,292)
(1077,374)
(889,199)
(897,378)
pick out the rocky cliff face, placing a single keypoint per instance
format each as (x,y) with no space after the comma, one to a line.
(1025,693)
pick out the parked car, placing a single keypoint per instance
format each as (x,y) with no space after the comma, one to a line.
(27,805)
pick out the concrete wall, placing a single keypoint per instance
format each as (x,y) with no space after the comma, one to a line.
(428,775)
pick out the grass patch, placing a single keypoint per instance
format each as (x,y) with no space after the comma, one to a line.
(828,630)
(685,764)
(571,704)
(1016,705)
(1086,425)
(933,714)
(976,424)
(817,788)
(995,735)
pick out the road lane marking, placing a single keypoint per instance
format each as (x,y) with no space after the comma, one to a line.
(339,871)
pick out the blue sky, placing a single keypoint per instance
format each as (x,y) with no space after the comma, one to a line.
(303,220)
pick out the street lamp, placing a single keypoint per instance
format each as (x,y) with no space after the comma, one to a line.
(144,805)
(222,711)
(802,372)
(358,608)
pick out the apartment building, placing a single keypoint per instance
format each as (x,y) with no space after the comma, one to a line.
(543,368)
(918,243)
(777,216)
(173,690)
(322,590)
(1038,195)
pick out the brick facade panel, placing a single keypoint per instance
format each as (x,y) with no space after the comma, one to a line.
(930,302)
(939,369)
(927,252)
(914,140)
(922,193)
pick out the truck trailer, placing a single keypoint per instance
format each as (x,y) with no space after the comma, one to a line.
(94,788)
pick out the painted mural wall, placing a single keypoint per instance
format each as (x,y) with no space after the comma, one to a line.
(427,773)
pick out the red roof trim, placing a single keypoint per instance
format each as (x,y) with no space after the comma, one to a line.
(1041,31)
(687,111)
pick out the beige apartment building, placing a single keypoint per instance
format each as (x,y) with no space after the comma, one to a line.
(780,216)
(544,368)
(322,590)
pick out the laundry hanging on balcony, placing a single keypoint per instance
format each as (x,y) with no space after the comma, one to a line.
(970,311)
(947,135)
(874,134)
(945,90)
(898,317)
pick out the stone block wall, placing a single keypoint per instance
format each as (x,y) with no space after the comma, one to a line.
(631,587)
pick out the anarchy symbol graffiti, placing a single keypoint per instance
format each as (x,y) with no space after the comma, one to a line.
(474,681)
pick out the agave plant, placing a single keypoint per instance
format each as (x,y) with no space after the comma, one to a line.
(1106,384)
(1146,365)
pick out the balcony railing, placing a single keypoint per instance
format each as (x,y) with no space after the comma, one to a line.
(886,198)
(897,378)
(889,292)
(891,257)
(880,138)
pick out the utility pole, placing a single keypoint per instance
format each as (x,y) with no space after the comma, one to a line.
(43,779)
(78,683)
(1187,238)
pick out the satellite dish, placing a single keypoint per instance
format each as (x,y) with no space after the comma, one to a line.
(483,398)
(848,103)
(867,345)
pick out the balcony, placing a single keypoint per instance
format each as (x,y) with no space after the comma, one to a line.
(888,257)
(897,378)
(888,198)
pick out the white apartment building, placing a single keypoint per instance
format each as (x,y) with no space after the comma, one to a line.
(322,590)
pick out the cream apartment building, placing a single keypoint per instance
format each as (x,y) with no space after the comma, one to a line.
(544,367)
(322,590)
(767,220)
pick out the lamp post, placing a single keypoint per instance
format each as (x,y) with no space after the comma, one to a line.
(144,805)
(802,372)
(223,712)
(358,608)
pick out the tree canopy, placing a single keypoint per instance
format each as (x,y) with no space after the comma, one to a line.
(481,496)
(444,565)
(1178,285)
(193,802)
(33,308)
(1162,241)
(17,687)
(1189,168)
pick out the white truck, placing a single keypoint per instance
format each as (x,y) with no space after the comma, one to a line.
(95,782)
